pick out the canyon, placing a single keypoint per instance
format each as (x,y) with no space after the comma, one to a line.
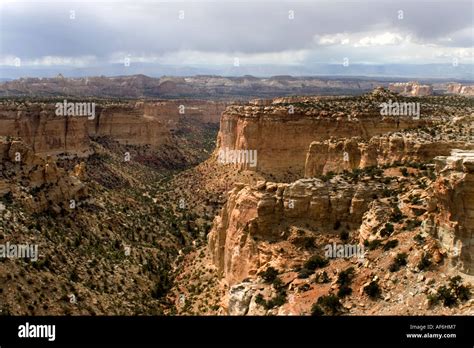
(173,230)
(374,190)
(261,125)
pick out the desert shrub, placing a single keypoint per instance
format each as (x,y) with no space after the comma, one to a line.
(425,262)
(344,235)
(276,301)
(419,239)
(373,290)
(269,275)
(412,224)
(372,245)
(344,279)
(316,310)
(322,278)
(327,305)
(387,230)
(397,215)
(314,262)
(462,292)
(308,242)
(390,244)
(399,261)
(304,273)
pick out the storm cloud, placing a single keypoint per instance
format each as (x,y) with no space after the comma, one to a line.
(215,32)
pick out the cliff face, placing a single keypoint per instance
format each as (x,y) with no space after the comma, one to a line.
(253,218)
(136,123)
(454,196)
(128,125)
(457,88)
(411,89)
(337,155)
(45,132)
(282,131)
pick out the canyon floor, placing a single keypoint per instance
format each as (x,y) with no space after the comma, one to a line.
(135,229)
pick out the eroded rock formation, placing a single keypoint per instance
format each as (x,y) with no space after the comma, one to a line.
(282,130)
(337,155)
(253,217)
(37,182)
(411,89)
(453,224)
(135,123)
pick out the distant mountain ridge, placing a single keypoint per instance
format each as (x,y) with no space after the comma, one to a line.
(201,86)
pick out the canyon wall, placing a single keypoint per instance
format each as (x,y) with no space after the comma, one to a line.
(411,89)
(135,123)
(457,88)
(256,215)
(39,127)
(337,155)
(128,125)
(282,131)
(453,224)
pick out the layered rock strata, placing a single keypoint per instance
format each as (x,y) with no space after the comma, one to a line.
(453,194)
(281,131)
(411,89)
(259,214)
(337,155)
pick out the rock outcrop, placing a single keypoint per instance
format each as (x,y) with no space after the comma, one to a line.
(135,123)
(39,127)
(281,131)
(254,217)
(457,88)
(337,155)
(453,225)
(37,182)
(411,89)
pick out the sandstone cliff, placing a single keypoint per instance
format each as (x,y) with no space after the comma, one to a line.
(281,131)
(337,155)
(453,224)
(457,88)
(135,123)
(253,218)
(39,127)
(411,89)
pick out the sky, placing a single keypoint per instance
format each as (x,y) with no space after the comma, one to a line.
(206,34)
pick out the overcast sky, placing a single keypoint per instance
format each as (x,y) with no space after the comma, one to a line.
(207,33)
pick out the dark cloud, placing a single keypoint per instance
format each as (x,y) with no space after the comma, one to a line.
(34,30)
